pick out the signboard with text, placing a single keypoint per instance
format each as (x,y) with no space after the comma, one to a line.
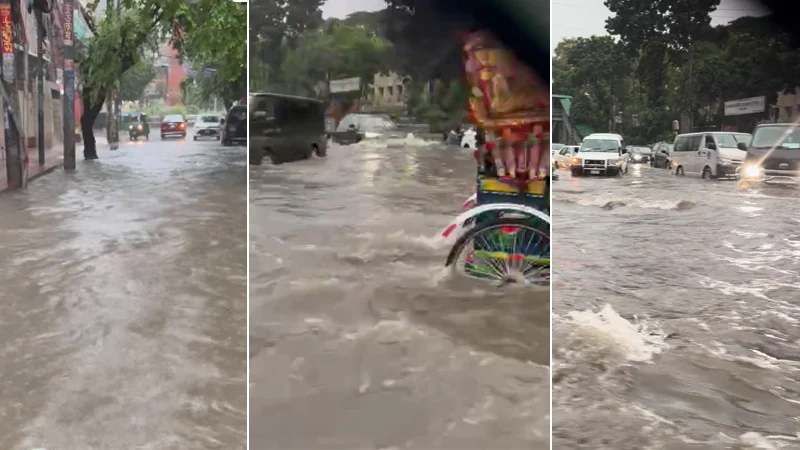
(7,34)
(346,85)
(753,105)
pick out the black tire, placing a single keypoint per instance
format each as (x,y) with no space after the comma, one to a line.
(318,152)
(226,143)
(707,175)
(679,171)
(536,224)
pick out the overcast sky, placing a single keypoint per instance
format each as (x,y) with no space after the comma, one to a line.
(584,18)
(341,8)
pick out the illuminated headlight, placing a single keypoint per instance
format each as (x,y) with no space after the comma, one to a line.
(637,157)
(726,162)
(615,162)
(131,127)
(752,171)
(371,135)
(576,161)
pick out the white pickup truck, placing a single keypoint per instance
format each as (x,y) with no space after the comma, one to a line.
(600,154)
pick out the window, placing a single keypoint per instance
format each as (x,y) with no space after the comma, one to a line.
(564,151)
(695,142)
(391,91)
(682,144)
(710,142)
(263,104)
(400,90)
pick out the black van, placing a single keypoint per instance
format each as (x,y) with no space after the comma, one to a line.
(234,126)
(773,154)
(286,128)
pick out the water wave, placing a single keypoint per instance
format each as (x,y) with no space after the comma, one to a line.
(609,203)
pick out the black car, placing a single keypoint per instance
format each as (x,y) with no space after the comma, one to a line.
(662,155)
(640,155)
(285,128)
(356,127)
(234,126)
(773,154)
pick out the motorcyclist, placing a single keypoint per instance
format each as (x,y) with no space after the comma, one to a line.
(145,125)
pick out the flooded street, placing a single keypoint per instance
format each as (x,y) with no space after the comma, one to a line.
(675,314)
(123,302)
(360,338)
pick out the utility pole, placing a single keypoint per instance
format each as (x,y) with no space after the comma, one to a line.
(15,163)
(691,88)
(40,84)
(69,86)
(117,98)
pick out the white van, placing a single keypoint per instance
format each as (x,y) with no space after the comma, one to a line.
(600,154)
(710,154)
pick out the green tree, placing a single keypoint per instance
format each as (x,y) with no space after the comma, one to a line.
(276,26)
(338,52)
(656,29)
(121,41)
(135,80)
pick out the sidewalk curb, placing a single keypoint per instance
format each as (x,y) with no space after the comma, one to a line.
(30,178)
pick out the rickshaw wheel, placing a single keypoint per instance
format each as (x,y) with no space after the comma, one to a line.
(504,250)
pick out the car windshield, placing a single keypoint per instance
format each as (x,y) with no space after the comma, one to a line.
(213,119)
(732,140)
(556,147)
(173,118)
(787,137)
(600,145)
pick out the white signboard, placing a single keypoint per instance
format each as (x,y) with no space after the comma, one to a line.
(346,85)
(745,106)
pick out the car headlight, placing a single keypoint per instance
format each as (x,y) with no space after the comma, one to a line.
(615,162)
(131,127)
(752,171)
(575,161)
(725,162)
(140,128)
(371,135)
(637,157)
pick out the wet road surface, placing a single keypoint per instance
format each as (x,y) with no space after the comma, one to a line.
(123,302)
(360,339)
(676,314)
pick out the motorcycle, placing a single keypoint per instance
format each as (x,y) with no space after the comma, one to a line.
(139,129)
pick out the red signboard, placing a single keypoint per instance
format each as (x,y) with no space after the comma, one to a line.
(7,28)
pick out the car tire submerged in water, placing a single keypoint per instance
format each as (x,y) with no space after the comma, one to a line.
(679,171)
(707,173)
(318,152)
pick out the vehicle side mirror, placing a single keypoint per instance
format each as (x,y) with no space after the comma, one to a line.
(623,151)
(742,146)
(711,146)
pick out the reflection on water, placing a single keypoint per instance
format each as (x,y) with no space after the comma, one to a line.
(675,314)
(122,302)
(359,336)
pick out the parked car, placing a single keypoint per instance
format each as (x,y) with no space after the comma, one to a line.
(234,126)
(662,155)
(286,128)
(773,154)
(555,148)
(356,127)
(207,125)
(564,156)
(173,125)
(709,154)
(600,154)
(640,155)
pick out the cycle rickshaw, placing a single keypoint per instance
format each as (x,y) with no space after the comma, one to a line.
(504,236)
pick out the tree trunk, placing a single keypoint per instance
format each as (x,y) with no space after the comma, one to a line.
(90,113)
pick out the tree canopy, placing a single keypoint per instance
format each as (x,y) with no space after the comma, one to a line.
(748,57)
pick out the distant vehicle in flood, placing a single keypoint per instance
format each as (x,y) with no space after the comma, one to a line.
(711,155)
(357,127)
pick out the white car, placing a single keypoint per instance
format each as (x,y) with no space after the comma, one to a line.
(207,125)
(562,159)
(600,154)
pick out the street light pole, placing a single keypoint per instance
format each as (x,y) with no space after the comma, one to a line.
(40,84)
(69,86)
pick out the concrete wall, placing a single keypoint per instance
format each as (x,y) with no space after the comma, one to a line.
(53,120)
